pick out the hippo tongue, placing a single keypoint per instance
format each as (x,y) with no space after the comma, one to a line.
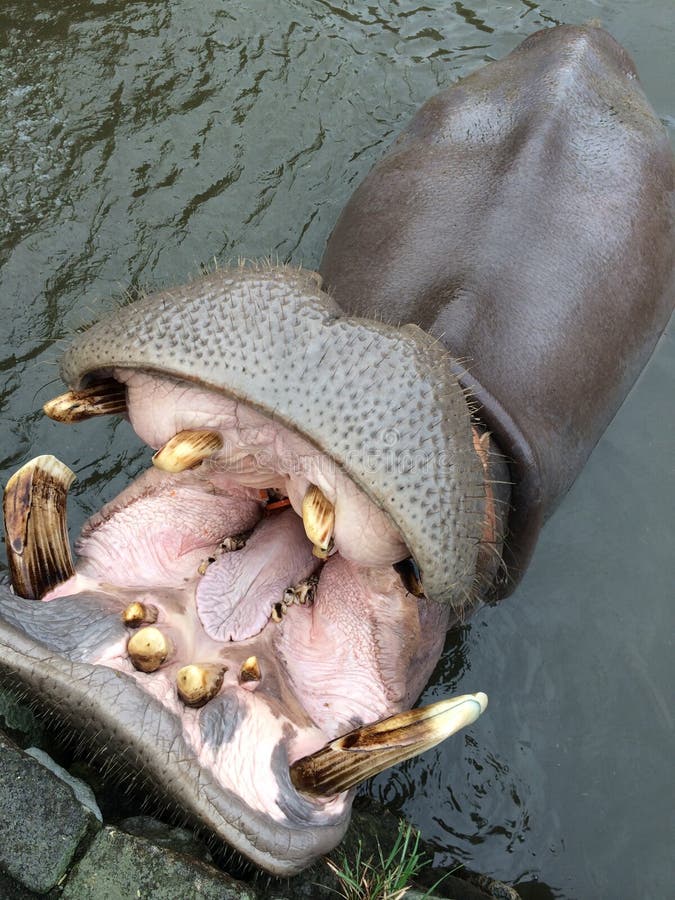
(235,596)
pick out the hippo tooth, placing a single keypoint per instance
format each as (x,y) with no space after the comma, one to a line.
(320,553)
(186,450)
(136,614)
(250,670)
(148,649)
(318,517)
(36,533)
(228,545)
(198,683)
(102,398)
(303,593)
(364,752)
(410,576)
(235,542)
(277,612)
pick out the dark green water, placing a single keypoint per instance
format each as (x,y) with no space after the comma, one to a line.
(140,139)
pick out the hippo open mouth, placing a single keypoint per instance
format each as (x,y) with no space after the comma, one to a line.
(250,622)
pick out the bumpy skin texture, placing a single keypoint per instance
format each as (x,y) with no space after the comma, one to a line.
(381,401)
(525,217)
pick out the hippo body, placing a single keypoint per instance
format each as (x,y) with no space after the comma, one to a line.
(523,219)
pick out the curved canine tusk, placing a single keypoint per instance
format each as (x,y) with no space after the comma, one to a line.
(106,397)
(36,532)
(186,450)
(318,517)
(364,752)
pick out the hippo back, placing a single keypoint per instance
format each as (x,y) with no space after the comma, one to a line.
(525,218)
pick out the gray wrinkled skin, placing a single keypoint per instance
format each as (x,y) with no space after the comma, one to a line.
(381,401)
(219,720)
(77,626)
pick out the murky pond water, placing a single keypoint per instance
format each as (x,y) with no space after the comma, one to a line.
(141,139)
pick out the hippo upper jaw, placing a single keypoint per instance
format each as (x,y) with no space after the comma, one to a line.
(282,400)
(381,402)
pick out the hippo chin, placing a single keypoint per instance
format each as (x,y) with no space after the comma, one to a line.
(250,622)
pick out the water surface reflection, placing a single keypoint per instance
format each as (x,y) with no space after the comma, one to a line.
(141,139)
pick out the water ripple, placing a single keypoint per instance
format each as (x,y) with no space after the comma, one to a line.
(142,137)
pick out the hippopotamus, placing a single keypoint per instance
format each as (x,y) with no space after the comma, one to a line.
(346,463)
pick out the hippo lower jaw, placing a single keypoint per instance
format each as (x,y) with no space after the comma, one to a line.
(200,637)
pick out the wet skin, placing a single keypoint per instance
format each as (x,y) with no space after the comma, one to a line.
(525,218)
(292,391)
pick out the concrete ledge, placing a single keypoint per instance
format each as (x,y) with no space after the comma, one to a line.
(121,866)
(42,824)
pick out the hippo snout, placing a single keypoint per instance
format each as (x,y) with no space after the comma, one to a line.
(273,593)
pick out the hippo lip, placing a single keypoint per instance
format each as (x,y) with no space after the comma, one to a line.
(227,761)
